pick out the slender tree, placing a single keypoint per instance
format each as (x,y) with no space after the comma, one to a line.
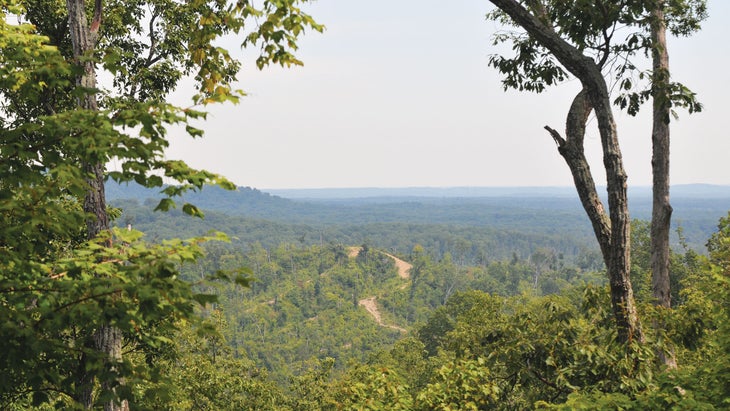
(661,94)
(661,214)
(661,208)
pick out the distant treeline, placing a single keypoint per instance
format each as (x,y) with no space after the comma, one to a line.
(477,228)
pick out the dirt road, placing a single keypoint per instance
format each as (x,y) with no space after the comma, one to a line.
(370,303)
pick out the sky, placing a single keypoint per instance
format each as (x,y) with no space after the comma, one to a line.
(399,94)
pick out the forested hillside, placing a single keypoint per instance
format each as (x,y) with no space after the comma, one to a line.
(503,334)
(305,301)
(305,307)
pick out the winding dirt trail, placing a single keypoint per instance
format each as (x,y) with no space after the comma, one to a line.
(372,307)
(370,303)
(403,267)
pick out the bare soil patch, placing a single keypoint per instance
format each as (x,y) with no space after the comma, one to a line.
(370,303)
(372,307)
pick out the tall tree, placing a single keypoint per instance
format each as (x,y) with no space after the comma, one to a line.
(661,94)
(580,37)
(661,209)
(532,70)
(661,214)
(106,338)
(72,294)
(683,18)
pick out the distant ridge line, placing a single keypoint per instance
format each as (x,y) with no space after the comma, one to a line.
(680,190)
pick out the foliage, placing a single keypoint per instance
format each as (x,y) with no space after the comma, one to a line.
(511,345)
(615,34)
(700,329)
(486,350)
(311,388)
(375,389)
(561,352)
(472,230)
(305,301)
(51,308)
(303,305)
(200,372)
(57,288)
(462,385)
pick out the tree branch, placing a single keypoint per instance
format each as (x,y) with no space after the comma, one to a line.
(69,304)
(560,141)
(96,21)
(571,149)
(578,64)
(153,41)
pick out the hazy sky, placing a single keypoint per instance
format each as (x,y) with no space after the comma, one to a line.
(399,94)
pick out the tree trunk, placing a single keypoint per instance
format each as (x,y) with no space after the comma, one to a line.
(614,239)
(107,339)
(619,261)
(571,149)
(661,209)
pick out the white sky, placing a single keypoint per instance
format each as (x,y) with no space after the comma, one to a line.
(399,94)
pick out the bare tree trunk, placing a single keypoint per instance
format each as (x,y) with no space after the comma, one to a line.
(614,239)
(661,209)
(619,262)
(107,339)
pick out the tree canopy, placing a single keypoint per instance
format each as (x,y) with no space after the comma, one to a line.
(65,275)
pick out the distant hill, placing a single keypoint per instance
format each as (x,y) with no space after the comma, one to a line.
(244,201)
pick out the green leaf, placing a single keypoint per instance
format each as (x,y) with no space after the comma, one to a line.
(165,204)
(194,132)
(204,299)
(192,210)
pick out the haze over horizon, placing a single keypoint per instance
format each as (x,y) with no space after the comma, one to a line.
(704,191)
(399,94)
(601,187)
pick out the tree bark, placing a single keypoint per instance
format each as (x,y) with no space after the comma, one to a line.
(661,208)
(571,149)
(107,339)
(616,252)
